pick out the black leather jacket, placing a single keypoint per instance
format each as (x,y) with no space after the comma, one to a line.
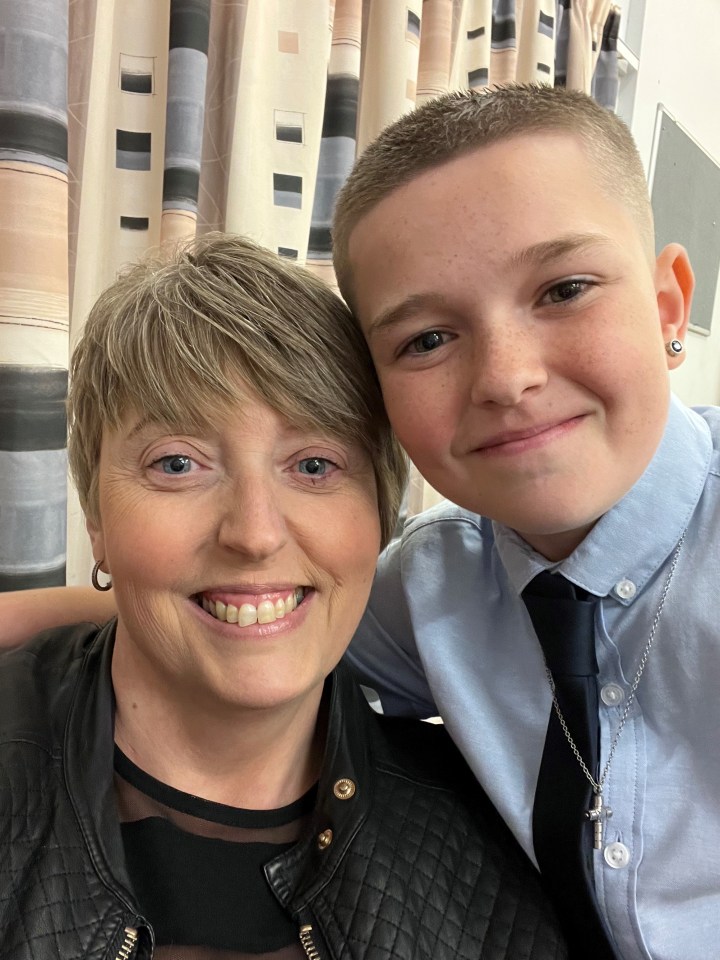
(405,868)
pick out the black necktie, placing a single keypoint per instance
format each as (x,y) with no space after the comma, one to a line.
(562,836)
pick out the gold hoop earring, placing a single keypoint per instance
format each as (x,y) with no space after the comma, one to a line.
(96,583)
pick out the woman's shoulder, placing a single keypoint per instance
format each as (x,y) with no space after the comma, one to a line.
(37,679)
(422,750)
(438,860)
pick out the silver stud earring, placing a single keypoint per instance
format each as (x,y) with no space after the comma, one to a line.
(674,347)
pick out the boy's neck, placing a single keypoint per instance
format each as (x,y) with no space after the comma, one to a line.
(557,546)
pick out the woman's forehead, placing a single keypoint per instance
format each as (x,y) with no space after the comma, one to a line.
(217,417)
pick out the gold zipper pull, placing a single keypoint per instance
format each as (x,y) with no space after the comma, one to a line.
(127,948)
(308,943)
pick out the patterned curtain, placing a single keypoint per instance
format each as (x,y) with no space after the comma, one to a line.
(128,123)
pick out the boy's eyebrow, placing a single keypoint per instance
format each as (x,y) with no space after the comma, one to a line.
(548,250)
(403,311)
(536,255)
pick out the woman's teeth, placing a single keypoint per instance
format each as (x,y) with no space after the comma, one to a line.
(267,611)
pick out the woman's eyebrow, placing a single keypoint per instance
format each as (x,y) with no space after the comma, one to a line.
(158,423)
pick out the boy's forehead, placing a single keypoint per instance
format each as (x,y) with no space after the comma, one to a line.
(507,159)
(485,212)
(499,182)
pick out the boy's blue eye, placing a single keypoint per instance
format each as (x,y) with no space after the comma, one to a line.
(314,466)
(175,464)
(567,290)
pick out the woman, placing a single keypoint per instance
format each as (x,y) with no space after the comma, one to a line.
(198,779)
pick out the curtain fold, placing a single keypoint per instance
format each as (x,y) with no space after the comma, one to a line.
(126,124)
(34,292)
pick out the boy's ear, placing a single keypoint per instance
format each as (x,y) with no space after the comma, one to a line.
(674,285)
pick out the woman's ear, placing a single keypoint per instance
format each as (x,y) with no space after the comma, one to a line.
(97,540)
(674,285)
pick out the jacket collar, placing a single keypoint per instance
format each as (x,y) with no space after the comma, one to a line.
(343,799)
(88,762)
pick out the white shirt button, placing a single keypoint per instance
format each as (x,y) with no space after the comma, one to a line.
(612,694)
(616,855)
(625,589)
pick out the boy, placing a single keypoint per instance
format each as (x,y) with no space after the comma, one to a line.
(497,250)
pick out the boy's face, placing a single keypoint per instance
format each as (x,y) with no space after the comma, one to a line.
(518,329)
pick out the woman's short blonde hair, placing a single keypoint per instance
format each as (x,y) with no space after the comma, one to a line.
(460,122)
(175,338)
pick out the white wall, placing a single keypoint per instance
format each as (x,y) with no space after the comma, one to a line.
(679,66)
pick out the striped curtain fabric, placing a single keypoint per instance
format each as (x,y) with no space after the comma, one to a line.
(126,124)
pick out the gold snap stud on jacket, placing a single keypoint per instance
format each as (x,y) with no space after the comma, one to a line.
(324,839)
(344,789)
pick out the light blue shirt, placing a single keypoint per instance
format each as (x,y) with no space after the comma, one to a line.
(447,633)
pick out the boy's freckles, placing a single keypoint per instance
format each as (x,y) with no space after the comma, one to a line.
(510,308)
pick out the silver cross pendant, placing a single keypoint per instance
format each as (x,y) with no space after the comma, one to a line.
(597,815)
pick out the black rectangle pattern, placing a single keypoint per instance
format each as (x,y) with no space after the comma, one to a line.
(503,30)
(132,142)
(134,223)
(320,239)
(287,183)
(547,20)
(33,134)
(341,105)
(474,34)
(33,581)
(136,82)
(190,24)
(288,134)
(288,253)
(476,77)
(180,183)
(32,408)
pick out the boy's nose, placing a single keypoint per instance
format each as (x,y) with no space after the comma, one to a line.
(505,365)
(252,521)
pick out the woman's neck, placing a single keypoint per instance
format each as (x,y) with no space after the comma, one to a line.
(258,759)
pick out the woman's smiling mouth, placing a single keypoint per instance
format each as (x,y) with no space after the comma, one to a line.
(238,609)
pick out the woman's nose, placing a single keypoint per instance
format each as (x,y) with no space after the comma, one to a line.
(252,520)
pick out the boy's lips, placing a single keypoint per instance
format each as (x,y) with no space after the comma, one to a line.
(526,438)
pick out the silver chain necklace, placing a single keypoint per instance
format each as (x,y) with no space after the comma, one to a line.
(598,814)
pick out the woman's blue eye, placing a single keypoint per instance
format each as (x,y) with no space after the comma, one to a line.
(314,466)
(175,464)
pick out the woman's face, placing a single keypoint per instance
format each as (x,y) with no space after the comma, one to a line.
(250,520)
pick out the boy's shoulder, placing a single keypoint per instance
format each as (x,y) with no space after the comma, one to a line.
(446,520)
(711,416)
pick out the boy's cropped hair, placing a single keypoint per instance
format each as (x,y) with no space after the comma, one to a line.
(176,339)
(457,123)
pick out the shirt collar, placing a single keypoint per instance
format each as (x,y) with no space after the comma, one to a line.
(632,540)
